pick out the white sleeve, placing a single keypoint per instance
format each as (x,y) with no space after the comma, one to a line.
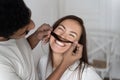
(7,73)
(90,74)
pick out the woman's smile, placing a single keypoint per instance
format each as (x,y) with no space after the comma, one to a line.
(59,43)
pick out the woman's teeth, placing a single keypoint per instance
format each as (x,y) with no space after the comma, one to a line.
(60,43)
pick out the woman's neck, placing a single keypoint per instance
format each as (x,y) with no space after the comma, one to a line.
(56,59)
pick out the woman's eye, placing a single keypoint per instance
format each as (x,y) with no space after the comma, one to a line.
(72,35)
(60,28)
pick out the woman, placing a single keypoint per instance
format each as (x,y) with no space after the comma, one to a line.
(67,30)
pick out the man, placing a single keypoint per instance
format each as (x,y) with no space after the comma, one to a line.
(16,62)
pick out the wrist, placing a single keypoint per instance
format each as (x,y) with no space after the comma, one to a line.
(64,64)
(33,40)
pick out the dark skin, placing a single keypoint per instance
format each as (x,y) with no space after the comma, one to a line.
(42,33)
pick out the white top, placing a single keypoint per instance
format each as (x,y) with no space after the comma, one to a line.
(16,62)
(45,69)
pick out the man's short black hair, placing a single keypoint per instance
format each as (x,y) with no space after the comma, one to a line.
(14,14)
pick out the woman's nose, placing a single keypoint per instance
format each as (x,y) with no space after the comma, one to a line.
(63,36)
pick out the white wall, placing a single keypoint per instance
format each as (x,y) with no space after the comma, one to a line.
(116,15)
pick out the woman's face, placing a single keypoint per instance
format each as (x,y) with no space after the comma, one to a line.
(68,29)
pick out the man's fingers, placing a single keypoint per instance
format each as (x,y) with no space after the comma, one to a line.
(45,27)
(44,34)
(79,51)
(71,49)
(46,39)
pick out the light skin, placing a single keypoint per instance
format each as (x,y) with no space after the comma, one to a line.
(43,33)
(68,29)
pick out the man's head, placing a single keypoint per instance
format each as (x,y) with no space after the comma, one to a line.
(14,15)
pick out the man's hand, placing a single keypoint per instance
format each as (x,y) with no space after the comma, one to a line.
(42,33)
(70,57)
